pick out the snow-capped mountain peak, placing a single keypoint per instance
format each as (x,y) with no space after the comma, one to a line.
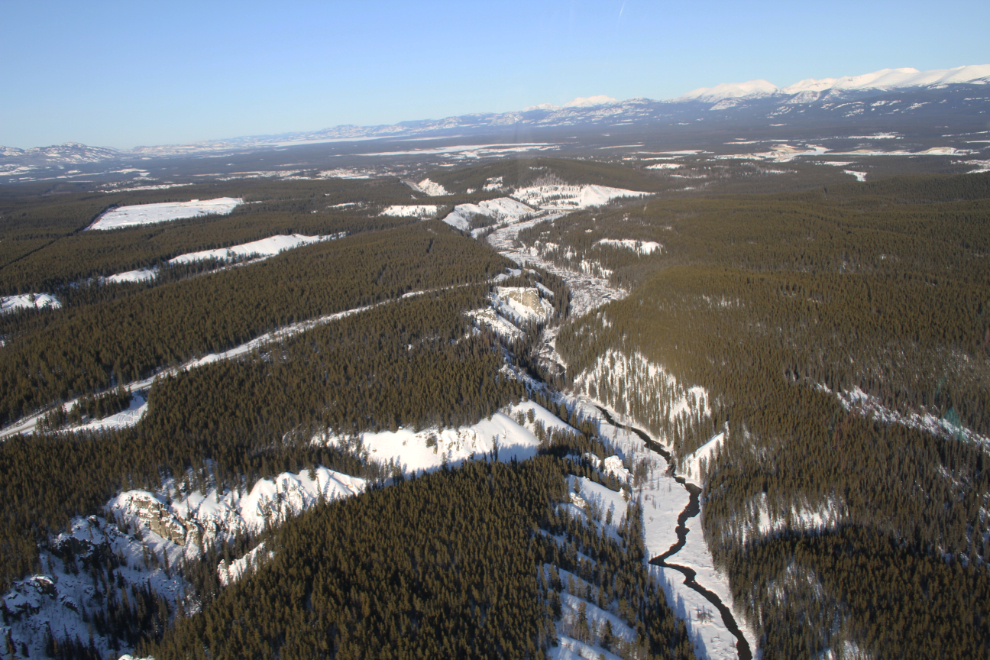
(590,101)
(895,78)
(542,106)
(723,91)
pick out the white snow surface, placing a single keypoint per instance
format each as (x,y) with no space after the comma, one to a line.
(723,91)
(409,451)
(856,400)
(221,516)
(639,247)
(53,599)
(230,574)
(431,188)
(694,464)
(143,214)
(28,301)
(590,101)
(663,498)
(564,197)
(125,418)
(894,78)
(56,597)
(811,87)
(860,176)
(411,210)
(503,209)
(264,248)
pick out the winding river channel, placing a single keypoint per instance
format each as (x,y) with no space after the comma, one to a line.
(692,509)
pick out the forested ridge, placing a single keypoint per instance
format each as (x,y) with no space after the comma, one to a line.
(450,564)
(43,245)
(780,307)
(81,350)
(413,362)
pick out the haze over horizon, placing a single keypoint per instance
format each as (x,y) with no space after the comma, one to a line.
(119,75)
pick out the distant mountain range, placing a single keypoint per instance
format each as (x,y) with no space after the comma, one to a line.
(888,93)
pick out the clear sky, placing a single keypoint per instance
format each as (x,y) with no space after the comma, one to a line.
(122,74)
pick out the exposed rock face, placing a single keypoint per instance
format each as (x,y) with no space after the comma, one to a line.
(526,297)
(159,519)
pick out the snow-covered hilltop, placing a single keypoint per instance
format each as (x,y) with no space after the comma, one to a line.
(883,79)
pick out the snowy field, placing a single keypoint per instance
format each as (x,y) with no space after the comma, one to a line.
(28,301)
(264,248)
(146,214)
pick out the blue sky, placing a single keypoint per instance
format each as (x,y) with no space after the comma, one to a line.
(123,74)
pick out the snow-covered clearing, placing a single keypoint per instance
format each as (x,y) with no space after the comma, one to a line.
(639,247)
(860,176)
(257,250)
(135,411)
(564,197)
(114,188)
(694,466)
(426,450)
(639,378)
(28,301)
(503,209)
(411,210)
(144,214)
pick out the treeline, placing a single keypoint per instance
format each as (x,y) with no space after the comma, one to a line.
(86,349)
(451,564)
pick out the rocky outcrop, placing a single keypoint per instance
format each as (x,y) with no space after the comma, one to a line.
(157,517)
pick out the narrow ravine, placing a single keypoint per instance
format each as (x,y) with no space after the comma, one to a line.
(692,509)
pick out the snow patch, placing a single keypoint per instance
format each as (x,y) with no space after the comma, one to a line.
(639,247)
(130,216)
(411,211)
(28,301)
